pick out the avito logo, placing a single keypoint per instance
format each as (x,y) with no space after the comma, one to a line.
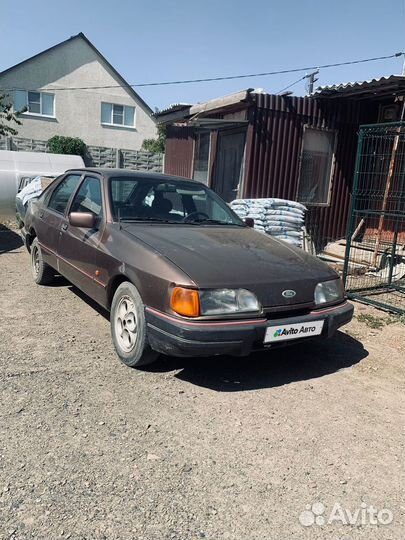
(293,331)
(289,332)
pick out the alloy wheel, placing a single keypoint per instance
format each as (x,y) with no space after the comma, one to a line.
(126,324)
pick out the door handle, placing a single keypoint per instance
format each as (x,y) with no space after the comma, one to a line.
(64,227)
(41,214)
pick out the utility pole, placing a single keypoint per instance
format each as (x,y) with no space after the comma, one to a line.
(311,81)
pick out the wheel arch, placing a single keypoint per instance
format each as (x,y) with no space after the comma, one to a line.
(31,235)
(113,285)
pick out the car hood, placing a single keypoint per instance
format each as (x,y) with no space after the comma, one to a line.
(237,257)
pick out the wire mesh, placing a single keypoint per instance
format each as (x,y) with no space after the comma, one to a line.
(374,269)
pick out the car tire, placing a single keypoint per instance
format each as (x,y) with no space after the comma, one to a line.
(128,327)
(41,272)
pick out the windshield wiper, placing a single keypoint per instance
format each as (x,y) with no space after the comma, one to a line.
(213,222)
(146,219)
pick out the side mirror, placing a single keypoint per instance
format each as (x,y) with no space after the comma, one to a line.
(82,219)
(250,222)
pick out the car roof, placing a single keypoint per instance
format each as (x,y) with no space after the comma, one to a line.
(108,173)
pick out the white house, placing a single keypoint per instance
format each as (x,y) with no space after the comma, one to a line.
(54,86)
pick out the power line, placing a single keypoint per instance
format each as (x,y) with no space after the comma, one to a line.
(292,84)
(228,78)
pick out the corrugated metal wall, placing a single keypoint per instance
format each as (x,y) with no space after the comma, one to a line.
(273,152)
(179,151)
(273,149)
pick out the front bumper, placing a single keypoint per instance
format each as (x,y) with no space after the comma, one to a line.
(178,337)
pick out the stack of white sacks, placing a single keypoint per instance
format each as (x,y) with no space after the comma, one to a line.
(280,218)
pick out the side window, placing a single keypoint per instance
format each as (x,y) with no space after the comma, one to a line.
(316,166)
(62,193)
(88,198)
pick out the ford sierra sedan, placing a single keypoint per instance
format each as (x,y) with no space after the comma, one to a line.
(179,271)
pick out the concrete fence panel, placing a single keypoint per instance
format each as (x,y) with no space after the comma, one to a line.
(96,156)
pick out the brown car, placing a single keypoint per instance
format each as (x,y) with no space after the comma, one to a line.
(179,271)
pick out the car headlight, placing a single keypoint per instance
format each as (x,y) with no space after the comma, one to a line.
(224,301)
(329,291)
(192,303)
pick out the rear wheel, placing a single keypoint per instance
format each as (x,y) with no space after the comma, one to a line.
(128,327)
(41,272)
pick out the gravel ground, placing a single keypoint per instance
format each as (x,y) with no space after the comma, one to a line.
(218,448)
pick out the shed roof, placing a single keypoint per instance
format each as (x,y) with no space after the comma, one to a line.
(190,113)
(392,85)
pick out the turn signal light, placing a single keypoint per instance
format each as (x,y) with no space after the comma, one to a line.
(185,302)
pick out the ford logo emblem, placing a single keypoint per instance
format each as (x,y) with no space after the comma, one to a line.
(289,293)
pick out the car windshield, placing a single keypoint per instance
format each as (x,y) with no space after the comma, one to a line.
(171,201)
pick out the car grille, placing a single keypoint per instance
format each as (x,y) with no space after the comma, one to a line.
(286,312)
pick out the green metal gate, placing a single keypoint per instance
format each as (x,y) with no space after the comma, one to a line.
(374,267)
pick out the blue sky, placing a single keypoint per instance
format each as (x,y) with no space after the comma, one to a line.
(158,40)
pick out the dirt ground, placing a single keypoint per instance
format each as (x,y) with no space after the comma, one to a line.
(217,448)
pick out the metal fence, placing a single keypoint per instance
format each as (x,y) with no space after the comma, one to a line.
(374,267)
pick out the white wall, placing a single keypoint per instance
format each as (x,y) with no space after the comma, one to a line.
(78,113)
(16,165)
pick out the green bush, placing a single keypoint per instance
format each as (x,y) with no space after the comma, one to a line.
(156,145)
(66,145)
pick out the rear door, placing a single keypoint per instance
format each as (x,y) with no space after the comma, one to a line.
(51,214)
(78,246)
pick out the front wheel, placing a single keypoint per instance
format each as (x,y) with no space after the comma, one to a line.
(128,327)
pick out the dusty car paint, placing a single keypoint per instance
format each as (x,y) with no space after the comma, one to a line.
(156,257)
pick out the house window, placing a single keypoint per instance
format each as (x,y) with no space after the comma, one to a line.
(316,166)
(201,157)
(37,103)
(117,115)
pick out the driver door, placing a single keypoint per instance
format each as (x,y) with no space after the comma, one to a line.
(78,246)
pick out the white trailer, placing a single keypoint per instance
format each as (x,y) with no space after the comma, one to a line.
(17,165)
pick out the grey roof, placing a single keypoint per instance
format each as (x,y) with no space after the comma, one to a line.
(173,108)
(385,86)
(172,114)
(80,35)
(179,112)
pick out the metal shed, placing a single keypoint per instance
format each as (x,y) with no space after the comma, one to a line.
(254,144)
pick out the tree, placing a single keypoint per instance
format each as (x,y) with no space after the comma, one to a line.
(66,145)
(7,116)
(157,146)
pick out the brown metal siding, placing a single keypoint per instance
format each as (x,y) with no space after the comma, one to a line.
(179,151)
(273,148)
(273,154)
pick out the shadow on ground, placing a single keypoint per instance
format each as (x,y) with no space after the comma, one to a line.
(89,301)
(9,240)
(268,369)
(60,281)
